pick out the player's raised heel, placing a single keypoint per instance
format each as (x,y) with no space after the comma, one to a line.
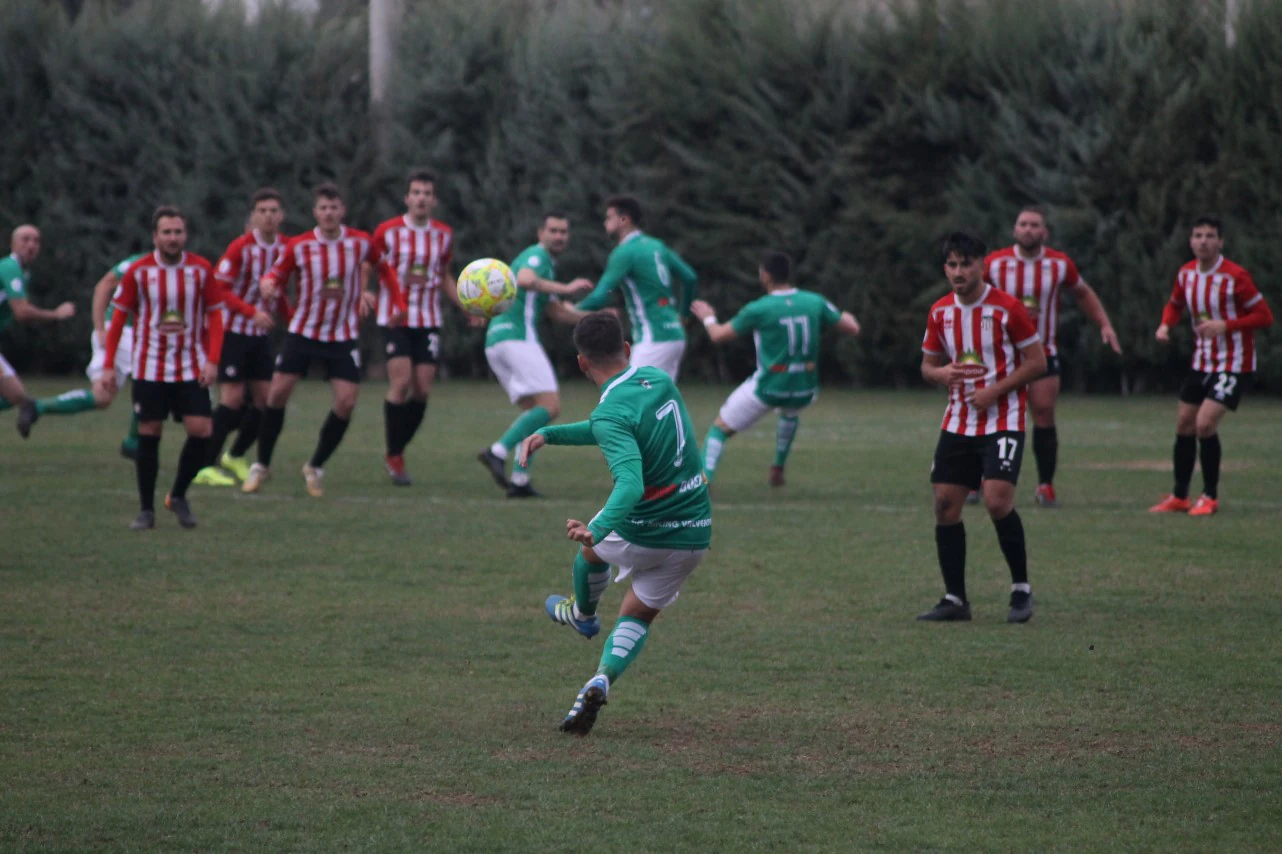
(258,475)
(947,611)
(1171,504)
(495,466)
(211,476)
(561,610)
(315,479)
(587,705)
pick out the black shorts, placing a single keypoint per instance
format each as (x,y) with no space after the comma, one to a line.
(970,460)
(1052,366)
(342,358)
(422,346)
(246,358)
(1222,387)
(154,401)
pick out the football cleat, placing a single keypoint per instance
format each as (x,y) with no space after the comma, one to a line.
(523,490)
(1171,504)
(1205,506)
(561,610)
(238,466)
(145,522)
(180,508)
(27,416)
(1021,607)
(495,467)
(258,475)
(776,476)
(947,611)
(213,476)
(587,705)
(1045,496)
(396,470)
(315,480)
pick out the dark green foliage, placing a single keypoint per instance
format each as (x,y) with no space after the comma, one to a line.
(848,141)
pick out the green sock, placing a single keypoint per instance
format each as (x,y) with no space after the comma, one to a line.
(590,581)
(623,646)
(525,424)
(784,434)
(4,404)
(67,403)
(712,450)
(131,438)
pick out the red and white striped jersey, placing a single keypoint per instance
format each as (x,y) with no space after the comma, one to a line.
(246,261)
(988,336)
(329,282)
(170,304)
(1226,293)
(421,257)
(1036,283)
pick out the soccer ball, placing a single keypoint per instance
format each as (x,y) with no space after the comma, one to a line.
(486,287)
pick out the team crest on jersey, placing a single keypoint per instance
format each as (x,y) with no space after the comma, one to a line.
(645,384)
(172,323)
(1202,315)
(973,367)
(1030,302)
(986,321)
(332,289)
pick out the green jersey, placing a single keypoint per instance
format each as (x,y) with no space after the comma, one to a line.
(521,321)
(13,286)
(660,498)
(786,326)
(644,266)
(120,270)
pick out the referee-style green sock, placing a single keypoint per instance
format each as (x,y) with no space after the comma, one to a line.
(590,581)
(623,646)
(785,432)
(67,403)
(712,446)
(131,438)
(525,424)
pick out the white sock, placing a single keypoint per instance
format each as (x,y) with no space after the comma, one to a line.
(520,478)
(1021,588)
(951,598)
(499,451)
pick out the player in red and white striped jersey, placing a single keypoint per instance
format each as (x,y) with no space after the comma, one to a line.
(334,264)
(1226,308)
(1035,274)
(981,343)
(247,358)
(420,249)
(172,293)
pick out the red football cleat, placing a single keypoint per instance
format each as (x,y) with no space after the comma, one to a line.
(1171,504)
(1205,506)
(1045,496)
(396,470)
(776,476)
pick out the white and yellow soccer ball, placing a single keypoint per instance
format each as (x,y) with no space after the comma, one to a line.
(486,287)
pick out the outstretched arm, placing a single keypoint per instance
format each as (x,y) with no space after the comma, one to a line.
(718,332)
(615,270)
(530,280)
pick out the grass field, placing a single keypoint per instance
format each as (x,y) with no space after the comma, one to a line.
(373,671)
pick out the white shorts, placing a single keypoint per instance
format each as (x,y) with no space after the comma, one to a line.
(657,574)
(6,369)
(664,355)
(523,368)
(124,356)
(743,408)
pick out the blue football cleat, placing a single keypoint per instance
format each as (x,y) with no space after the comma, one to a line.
(586,706)
(561,610)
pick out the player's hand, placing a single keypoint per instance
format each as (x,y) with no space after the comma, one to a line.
(577,531)
(66,311)
(702,310)
(951,374)
(531,444)
(1163,334)
(579,286)
(368,303)
(108,382)
(982,398)
(267,287)
(1211,328)
(1109,336)
(209,374)
(263,320)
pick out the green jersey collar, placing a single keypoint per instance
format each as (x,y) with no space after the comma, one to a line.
(632,235)
(783,292)
(615,380)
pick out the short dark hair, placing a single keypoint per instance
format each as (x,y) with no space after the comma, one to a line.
(599,337)
(327,190)
(265,194)
(1212,220)
(422,176)
(166,211)
(961,243)
(627,206)
(1037,209)
(778,266)
(553,214)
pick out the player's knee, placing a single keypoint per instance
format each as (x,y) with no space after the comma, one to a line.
(947,510)
(1044,416)
(344,404)
(1206,427)
(231,396)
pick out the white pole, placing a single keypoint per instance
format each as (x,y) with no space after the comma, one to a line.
(1231,10)
(383,18)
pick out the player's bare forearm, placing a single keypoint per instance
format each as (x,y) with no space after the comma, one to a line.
(25,312)
(101,297)
(848,325)
(933,369)
(1032,367)
(1091,306)
(560,312)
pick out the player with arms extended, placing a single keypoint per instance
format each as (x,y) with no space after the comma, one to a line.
(785,324)
(981,344)
(333,263)
(644,266)
(656,525)
(516,355)
(1226,308)
(1035,274)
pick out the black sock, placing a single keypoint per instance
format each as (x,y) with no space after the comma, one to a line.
(1010,536)
(249,423)
(1211,465)
(225,421)
(395,423)
(192,459)
(417,411)
(950,543)
(1185,459)
(268,432)
(330,435)
(147,464)
(1046,450)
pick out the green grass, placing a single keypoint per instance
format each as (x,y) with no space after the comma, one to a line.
(373,671)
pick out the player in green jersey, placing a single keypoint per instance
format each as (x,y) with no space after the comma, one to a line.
(644,267)
(517,357)
(99,396)
(15,281)
(656,525)
(786,325)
